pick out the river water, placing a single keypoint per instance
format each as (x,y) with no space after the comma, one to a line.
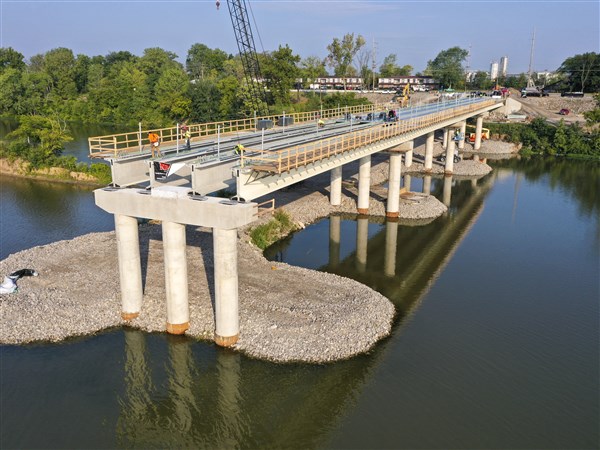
(495,343)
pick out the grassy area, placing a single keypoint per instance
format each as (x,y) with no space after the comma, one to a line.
(278,227)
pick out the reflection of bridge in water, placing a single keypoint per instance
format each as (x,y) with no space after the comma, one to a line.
(197,398)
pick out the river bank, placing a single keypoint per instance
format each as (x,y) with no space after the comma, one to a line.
(22,169)
(286,313)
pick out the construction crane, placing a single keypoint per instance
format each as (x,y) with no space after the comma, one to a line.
(245,42)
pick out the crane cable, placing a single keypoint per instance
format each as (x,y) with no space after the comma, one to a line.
(256,27)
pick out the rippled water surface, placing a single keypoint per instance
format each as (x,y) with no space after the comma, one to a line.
(495,343)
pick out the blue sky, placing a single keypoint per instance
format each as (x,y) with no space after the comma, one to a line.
(416,31)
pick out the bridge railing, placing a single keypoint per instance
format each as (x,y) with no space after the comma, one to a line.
(297,156)
(123,144)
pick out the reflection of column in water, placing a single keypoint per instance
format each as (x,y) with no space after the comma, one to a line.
(362,237)
(447,191)
(427,184)
(407,180)
(180,384)
(137,408)
(334,240)
(474,183)
(391,239)
(229,422)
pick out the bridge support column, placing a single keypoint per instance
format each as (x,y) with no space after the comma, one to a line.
(364,184)
(463,132)
(335,187)
(427,184)
(176,279)
(362,238)
(393,200)
(408,156)
(227,327)
(407,180)
(391,240)
(478,129)
(130,267)
(334,240)
(429,152)
(449,157)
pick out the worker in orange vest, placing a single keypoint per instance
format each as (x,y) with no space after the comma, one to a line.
(154,143)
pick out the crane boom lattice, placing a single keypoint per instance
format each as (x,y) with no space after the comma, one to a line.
(245,43)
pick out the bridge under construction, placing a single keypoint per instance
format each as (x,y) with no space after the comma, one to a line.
(214,181)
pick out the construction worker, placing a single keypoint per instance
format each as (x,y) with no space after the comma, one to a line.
(154,143)
(321,123)
(239,149)
(187,135)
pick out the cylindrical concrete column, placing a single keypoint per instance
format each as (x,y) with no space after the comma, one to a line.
(391,237)
(449,167)
(463,132)
(393,200)
(362,238)
(429,152)
(335,187)
(408,155)
(427,184)
(447,192)
(478,129)
(130,267)
(407,180)
(334,240)
(364,184)
(176,279)
(227,327)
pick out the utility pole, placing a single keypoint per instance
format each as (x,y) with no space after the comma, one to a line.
(530,82)
(373,65)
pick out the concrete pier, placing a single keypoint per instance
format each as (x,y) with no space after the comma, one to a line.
(463,132)
(364,184)
(335,188)
(227,327)
(449,167)
(130,268)
(176,279)
(408,155)
(393,200)
(478,130)
(429,151)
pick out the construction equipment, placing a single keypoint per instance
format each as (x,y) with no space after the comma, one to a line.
(245,42)
(402,98)
(485,133)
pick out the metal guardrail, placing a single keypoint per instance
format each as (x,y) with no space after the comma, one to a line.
(116,145)
(284,160)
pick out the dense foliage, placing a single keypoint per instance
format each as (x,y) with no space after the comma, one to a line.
(540,137)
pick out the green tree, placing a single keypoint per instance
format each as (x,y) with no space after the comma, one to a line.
(205,99)
(59,64)
(204,62)
(153,62)
(172,93)
(38,139)
(583,72)
(389,68)
(447,67)
(11,59)
(311,68)
(342,52)
(481,80)
(280,72)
